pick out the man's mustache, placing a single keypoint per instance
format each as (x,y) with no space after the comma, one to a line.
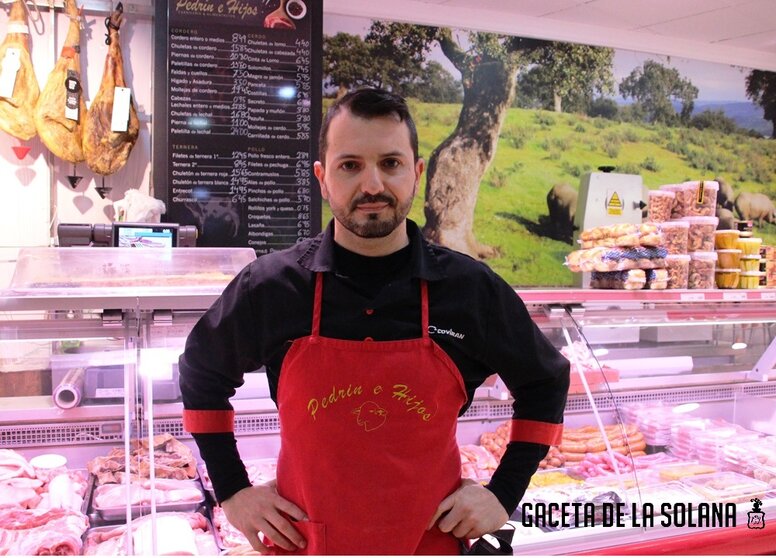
(377,198)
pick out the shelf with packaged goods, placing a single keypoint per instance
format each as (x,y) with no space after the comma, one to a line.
(583,296)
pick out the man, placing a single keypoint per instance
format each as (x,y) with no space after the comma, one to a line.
(374,342)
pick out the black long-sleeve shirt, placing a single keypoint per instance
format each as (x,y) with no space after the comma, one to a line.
(474,316)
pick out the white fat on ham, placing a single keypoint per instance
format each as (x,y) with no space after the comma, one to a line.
(63,492)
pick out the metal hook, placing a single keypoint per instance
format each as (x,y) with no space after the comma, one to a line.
(109,23)
(35,20)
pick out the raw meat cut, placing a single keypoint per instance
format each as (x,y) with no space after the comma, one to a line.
(16,112)
(106,150)
(166,491)
(55,532)
(62,97)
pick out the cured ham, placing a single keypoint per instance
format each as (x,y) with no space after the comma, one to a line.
(16,110)
(61,110)
(107,150)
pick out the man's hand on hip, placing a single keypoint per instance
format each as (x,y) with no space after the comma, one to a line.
(470,512)
(261,508)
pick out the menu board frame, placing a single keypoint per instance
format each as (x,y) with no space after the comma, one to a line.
(295,158)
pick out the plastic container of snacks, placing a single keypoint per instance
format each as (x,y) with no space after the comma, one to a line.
(725,239)
(678,266)
(659,204)
(726,278)
(749,280)
(700,237)
(729,259)
(701,273)
(750,263)
(749,246)
(702,197)
(675,235)
(678,207)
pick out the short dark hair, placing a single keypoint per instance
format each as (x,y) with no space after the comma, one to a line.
(368,103)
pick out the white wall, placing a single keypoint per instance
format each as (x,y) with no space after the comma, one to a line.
(35,193)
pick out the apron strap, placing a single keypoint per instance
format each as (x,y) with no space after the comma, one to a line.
(316,329)
(424,307)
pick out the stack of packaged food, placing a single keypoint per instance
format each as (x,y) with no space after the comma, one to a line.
(685,215)
(622,256)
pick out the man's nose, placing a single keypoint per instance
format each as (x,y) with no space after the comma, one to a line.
(373,182)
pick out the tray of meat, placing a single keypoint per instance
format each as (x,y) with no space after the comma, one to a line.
(658,494)
(727,486)
(52,532)
(109,501)
(177,533)
(172,460)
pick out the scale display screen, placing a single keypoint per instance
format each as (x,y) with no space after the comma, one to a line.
(146,236)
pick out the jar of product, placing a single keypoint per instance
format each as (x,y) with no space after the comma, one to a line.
(725,238)
(675,235)
(752,263)
(726,278)
(700,237)
(749,280)
(678,266)
(729,259)
(749,246)
(701,273)
(680,202)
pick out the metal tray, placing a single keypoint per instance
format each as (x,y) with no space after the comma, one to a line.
(102,515)
(120,544)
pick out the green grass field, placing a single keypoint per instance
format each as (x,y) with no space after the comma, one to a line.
(538,149)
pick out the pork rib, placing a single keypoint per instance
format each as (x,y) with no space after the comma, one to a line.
(60,134)
(107,151)
(16,112)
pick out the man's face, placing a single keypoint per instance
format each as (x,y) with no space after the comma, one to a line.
(370,176)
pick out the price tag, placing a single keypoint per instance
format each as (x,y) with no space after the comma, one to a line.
(9,68)
(768,296)
(692,297)
(734,296)
(120,118)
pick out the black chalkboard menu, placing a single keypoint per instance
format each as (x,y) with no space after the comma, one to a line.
(237,109)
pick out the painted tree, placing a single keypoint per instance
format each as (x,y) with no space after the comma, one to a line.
(761,88)
(573,74)
(488,64)
(654,87)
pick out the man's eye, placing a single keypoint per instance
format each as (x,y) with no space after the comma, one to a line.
(391,163)
(349,165)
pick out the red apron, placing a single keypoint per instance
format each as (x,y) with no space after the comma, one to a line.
(368,447)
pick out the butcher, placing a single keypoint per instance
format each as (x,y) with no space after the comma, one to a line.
(374,342)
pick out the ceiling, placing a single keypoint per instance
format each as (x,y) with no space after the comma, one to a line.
(739,32)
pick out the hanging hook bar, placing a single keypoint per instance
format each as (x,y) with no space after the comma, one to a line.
(36,19)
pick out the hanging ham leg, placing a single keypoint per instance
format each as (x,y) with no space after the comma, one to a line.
(61,127)
(107,150)
(16,111)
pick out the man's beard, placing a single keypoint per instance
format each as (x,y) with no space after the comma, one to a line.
(375,226)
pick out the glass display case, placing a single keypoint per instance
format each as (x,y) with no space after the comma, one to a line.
(672,402)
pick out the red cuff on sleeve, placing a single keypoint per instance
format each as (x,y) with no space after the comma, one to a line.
(536,432)
(208,422)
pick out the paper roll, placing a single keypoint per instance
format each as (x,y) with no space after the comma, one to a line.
(69,392)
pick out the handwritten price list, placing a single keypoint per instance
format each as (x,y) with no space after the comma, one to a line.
(240,129)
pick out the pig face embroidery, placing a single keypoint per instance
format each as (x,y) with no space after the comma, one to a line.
(370,415)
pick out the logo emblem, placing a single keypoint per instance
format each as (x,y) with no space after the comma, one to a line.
(756,517)
(370,415)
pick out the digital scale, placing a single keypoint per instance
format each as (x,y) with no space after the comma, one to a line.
(121,234)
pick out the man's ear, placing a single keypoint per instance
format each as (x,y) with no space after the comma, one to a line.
(320,174)
(420,166)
